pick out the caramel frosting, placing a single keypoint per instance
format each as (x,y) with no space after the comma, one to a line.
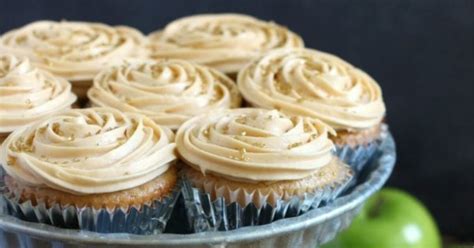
(28,94)
(89,151)
(255,145)
(168,91)
(315,84)
(223,41)
(73,50)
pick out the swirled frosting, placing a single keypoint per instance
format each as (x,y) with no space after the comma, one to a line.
(311,83)
(87,151)
(167,91)
(73,50)
(255,144)
(222,41)
(28,94)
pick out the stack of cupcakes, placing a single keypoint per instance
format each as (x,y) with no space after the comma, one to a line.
(311,124)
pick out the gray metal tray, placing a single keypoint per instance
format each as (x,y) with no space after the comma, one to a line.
(316,227)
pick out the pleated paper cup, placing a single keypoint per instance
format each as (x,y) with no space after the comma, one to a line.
(358,156)
(149,218)
(213,206)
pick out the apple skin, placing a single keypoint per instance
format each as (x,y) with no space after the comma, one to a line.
(390,219)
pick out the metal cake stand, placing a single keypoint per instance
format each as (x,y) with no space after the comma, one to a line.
(315,227)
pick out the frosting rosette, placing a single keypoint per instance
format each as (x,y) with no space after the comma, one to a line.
(89,151)
(315,84)
(73,50)
(168,91)
(28,94)
(223,41)
(255,145)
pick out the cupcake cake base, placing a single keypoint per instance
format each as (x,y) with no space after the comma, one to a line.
(141,210)
(216,204)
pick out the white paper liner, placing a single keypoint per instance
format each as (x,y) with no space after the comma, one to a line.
(205,214)
(145,220)
(357,157)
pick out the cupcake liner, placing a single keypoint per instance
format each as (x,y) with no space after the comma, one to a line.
(357,157)
(147,219)
(205,214)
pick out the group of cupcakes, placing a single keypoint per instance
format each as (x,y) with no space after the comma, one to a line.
(102,128)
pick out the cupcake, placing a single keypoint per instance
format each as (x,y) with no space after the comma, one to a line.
(168,91)
(223,41)
(28,94)
(96,169)
(322,86)
(73,50)
(260,165)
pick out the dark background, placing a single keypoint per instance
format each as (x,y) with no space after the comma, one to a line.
(421,52)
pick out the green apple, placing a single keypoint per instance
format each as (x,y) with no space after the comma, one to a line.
(390,219)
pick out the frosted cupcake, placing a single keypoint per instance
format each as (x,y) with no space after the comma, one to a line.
(168,91)
(259,162)
(319,85)
(95,169)
(223,41)
(73,50)
(29,94)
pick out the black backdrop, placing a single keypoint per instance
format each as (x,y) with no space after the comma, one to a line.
(421,52)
